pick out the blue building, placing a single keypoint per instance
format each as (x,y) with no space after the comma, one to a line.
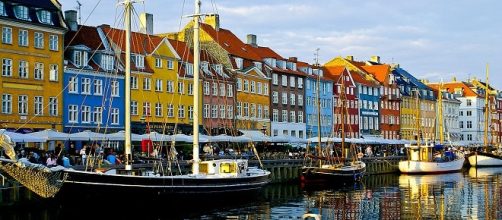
(93,95)
(326,102)
(369,104)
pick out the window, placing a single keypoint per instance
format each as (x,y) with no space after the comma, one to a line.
(22,38)
(21,12)
(181,111)
(292,116)
(253,87)
(300,117)
(469,113)
(189,69)
(115,116)
(275,79)
(469,124)
(73,113)
(44,16)
(259,88)
(38,73)
(469,102)
(98,115)
(134,82)
(284,116)
(230,111)
(53,106)
(158,109)
(170,64)
(246,85)
(206,88)
(222,111)
(206,111)
(284,98)
(147,84)
(53,72)
(461,124)
(80,58)
(218,68)
(6,67)
(292,82)
(98,87)
(239,84)
(215,89)
(300,83)
(214,111)
(300,100)
(158,85)
(181,89)
(246,109)
(2,9)
(259,114)
(6,103)
(275,115)
(107,62)
(230,90)
(7,35)
(86,114)
(275,97)
(190,112)
(265,89)
(115,88)
(158,62)
(292,99)
(239,109)
(238,62)
(222,89)
(73,85)
(265,112)
(146,109)
(86,86)
(190,89)
(252,110)
(23,69)
(170,110)
(284,80)
(134,108)
(22,104)
(170,86)
(53,42)
(139,61)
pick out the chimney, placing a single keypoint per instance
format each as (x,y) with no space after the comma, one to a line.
(375,59)
(454,79)
(252,40)
(293,59)
(71,19)
(146,23)
(213,20)
(350,58)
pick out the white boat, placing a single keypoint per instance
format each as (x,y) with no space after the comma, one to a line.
(416,164)
(485,159)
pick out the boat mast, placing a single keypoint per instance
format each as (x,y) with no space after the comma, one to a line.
(417,118)
(127,139)
(342,117)
(196,60)
(487,110)
(318,105)
(440,112)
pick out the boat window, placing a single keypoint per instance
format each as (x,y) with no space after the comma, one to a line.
(227,168)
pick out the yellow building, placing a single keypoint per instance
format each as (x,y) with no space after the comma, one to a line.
(161,83)
(31,55)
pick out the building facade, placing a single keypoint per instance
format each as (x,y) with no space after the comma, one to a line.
(318,102)
(31,55)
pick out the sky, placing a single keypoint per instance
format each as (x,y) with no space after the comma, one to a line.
(433,40)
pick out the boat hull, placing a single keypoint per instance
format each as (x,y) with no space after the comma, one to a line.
(339,175)
(482,159)
(424,167)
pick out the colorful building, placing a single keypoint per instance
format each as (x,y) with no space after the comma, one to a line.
(390,98)
(345,102)
(31,55)
(449,114)
(316,80)
(161,83)
(94,95)
(494,99)
(417,99)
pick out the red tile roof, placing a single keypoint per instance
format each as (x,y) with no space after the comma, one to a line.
(140,43)
(265,52)
(231,43)
(380,72)
(451,86)
(85,35)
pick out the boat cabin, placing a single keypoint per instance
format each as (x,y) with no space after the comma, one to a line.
(222,167)
(420,153)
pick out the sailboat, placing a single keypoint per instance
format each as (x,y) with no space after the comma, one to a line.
(486,157)
(330,168)
(207,177)
(430,158)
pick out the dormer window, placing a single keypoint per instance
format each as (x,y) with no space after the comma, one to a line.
(80,58)
(44,16)
(139,61)
(218,68)
(21,12)
(238,62)
(205,66)
(2,9)
(189,69)
(257,65)
(107,62)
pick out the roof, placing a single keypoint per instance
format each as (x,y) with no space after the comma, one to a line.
(414,81)
(140,43)
(86,35)
(33,6)
(451,86)
(231,43)
(380,72)
(265,52)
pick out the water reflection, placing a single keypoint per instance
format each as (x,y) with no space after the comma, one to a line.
(474,194)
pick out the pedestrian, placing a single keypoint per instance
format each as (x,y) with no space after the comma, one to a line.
(83,154)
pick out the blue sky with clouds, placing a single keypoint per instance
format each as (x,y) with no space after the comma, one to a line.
(431,39)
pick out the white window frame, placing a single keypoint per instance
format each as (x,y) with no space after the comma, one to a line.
(6,103)
(115,116)
(98,87)
(53,42)
(23,69)
(22,38)
(6,35)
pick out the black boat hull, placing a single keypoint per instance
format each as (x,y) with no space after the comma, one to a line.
(317,174)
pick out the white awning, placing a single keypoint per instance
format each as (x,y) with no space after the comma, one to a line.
(51,135)
(256,136)
(22,138)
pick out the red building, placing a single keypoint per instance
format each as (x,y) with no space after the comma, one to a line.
(345,101)
(389,100)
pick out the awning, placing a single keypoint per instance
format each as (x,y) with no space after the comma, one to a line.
(51,135)
(256,136)
(22,138)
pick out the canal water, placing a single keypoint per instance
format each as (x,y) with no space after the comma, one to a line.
(472,194)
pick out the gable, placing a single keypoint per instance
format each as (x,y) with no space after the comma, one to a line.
(254,71)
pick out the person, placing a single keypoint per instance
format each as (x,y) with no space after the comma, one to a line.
(83,154)
(369,152)
(66,161)
(72,149)
(51,161)
(111,158)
